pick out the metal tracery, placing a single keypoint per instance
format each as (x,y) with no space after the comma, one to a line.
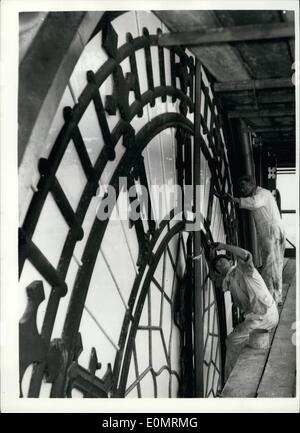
(58,360)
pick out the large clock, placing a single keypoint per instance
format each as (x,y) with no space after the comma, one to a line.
(111,308)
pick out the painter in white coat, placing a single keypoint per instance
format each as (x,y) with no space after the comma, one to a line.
(249,292)
(270,232)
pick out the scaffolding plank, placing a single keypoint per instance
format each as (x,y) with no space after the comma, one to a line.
(245,376)
(279,377)
(267,372)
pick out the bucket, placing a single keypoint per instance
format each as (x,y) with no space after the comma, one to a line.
(259,339)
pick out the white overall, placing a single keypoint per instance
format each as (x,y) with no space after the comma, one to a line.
(270,237)
(250,293)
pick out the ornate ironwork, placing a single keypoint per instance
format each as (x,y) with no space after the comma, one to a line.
(58,359)
(32,347)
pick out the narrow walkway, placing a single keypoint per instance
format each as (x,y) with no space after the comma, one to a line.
(270,372)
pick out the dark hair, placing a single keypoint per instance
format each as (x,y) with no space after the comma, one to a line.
(247,178)
(215,261)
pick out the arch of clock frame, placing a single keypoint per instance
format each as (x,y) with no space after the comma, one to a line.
(56,360)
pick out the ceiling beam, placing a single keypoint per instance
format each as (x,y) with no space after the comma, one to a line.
(222,35)
(237,49)
(256,107)
(279,139)
(290,140)
(272,83)
(288,17)
(273,128)
(288,144)
(233,99)
(261,113)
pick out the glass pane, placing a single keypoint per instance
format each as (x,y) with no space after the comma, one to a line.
(174,352)
(142,350)
(91,132)
(159,108)
(156,177)
(104,301)
(209,379)
(168,165)
(170,278)
(217,227)
(71,176)
(133,393)
(117,255)
(163,384)
(167,64)
(125,21)
(142,73)
(155,66)
(175,386)
(158,353)
(155,305)
(167,323)
(216,383)
(147,386)
(74,267)
(93,336)
(51,231)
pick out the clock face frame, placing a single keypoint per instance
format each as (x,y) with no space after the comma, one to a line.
(163,266)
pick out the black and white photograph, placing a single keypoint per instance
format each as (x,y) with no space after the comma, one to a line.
(149,206)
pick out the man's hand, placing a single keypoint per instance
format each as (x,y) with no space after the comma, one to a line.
(230,197)
(216,246)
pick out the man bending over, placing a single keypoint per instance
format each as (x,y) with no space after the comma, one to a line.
(249,293)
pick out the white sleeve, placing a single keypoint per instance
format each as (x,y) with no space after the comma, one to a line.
(247,265)
(255,202)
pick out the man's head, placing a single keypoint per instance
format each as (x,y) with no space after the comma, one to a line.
(221,265)
(247,185)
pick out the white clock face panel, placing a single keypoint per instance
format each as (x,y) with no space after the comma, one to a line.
(116,290)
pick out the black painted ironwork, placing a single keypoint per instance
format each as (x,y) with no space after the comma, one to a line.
(58,360)
(32,348)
